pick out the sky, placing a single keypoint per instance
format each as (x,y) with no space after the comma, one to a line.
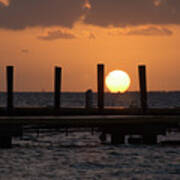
(37,35)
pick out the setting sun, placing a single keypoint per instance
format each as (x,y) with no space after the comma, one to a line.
(118,81)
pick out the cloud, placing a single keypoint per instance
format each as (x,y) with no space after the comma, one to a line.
(20,14)
(87,5)
(157,2)
(151,31)
(59,34)
(121,13)
(4,2)
(142,31)
(25,51)
(92,36)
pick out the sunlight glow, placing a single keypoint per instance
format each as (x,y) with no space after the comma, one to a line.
(118,81)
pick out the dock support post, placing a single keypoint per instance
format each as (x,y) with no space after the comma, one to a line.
(9,70)
(57,87)
(5,137)
(135,140)
(100,86)
(149,139)
(143,88)
(103,137)
(89,99)
(117,138)
(5,142)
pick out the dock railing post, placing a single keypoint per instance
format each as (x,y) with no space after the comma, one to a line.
(100,78)
(9,71)
(143,87)
(57,87)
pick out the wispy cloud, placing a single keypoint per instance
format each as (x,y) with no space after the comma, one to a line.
(142,31)
(157,2)
(87,5)
(58,34)
(151,31)
(25,51)
(92,35)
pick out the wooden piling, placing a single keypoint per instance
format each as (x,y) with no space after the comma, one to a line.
(9,87)
(57,87)
(143,87)
(117,138)
(103,137)
(149,139)
(100,69)
(135,140)
(5,142)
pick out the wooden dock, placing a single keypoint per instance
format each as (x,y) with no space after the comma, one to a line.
(143,121)
(118,126)
(93,120)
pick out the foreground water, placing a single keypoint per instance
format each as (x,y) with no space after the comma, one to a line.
(81,156)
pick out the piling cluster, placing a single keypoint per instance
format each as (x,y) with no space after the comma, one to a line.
(100,88)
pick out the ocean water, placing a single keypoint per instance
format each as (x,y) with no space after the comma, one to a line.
(80,155)
(155,99)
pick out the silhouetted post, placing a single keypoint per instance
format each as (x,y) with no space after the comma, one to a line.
(100,86)
(150,139)
(143,88)
(5,142)
(117,138)
(57,87)
(89,99)
(9,87)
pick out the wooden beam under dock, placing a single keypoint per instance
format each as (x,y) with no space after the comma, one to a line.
(92,121)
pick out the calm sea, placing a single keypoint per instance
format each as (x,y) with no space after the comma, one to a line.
(155,99)
(81,156)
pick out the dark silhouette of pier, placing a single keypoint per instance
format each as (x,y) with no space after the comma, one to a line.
(143,121)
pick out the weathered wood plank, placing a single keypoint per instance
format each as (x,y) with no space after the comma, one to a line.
(99,120)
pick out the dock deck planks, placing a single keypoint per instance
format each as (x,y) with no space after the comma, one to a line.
(94,120)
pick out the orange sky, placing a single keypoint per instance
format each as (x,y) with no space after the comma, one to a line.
(34,53)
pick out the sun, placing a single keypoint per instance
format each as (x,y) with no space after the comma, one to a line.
(118,81)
